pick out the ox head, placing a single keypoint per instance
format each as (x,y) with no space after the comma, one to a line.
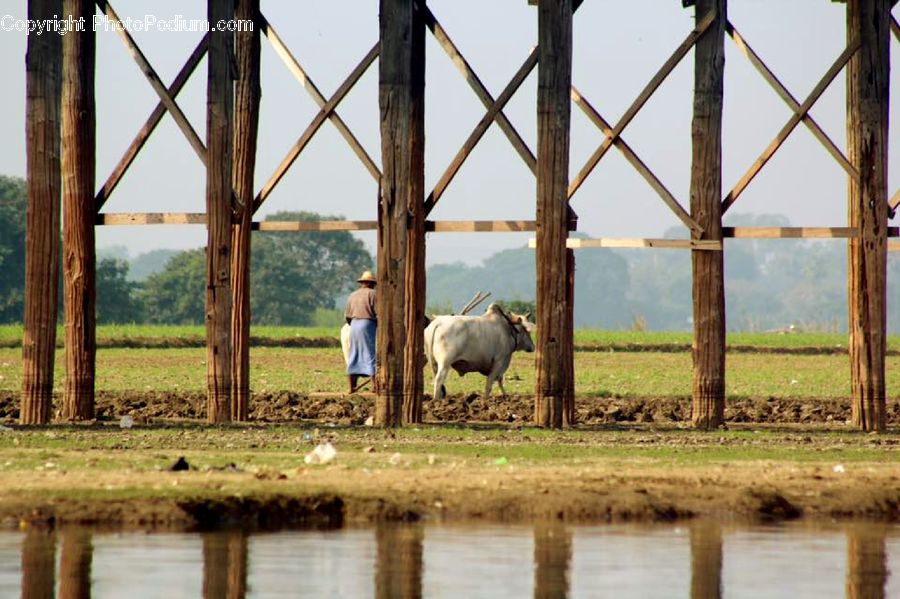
(523,329)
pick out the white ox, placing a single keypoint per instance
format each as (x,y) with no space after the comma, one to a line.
(482,344)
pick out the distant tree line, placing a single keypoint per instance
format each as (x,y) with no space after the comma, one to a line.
(770,284)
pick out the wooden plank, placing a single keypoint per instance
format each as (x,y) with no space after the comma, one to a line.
(152,121)
(789,232)
(314,126)
(641,99)
(770,150)
(301,75)
(78,179)
(157,84)
(895,28)
(478,87)
(151,218)
(480,226)
(316,226)
(42,147)
(895,200)
(789,99)
(636,162)
(639,242)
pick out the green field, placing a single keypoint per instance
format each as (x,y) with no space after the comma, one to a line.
(597,374)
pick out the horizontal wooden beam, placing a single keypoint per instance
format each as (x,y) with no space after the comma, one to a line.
(895,200)
(639,242)
(479,226)
(151,218)
(315,225)
(789,232)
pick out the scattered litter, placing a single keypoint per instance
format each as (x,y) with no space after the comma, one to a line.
(794,381)
(395,459)
(307,437)
(179,465)
(369,449)
(431,459)
(501,461)
(322,454)
(370,421)
(126,422)
(839,468)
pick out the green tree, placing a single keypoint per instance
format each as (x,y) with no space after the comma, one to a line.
(117,302)
(13,202)
(291,275)
(176,294)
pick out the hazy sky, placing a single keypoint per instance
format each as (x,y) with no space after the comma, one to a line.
(619,45)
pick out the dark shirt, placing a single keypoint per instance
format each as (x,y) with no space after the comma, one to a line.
(361,304)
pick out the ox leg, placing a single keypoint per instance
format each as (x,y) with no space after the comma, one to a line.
(439,378)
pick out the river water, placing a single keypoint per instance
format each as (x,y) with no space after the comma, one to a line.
(695,559)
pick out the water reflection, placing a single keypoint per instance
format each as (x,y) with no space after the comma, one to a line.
(700,559)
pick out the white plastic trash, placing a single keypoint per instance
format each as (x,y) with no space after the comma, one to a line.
(126,422)
(322,454)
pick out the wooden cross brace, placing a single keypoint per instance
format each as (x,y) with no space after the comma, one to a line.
(799,113)
(613,134)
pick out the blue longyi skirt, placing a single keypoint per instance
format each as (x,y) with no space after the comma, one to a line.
(362,347)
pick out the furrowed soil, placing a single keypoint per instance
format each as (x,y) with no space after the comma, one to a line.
(787,450)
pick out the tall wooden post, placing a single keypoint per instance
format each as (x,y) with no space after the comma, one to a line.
(414,348)
(867,138)
(246,127)
(552,560)
(554,351)
(708,409)
(398,560)
(400,218)
(867,565)
(39,558)
(78,174)
(42,66)
(706,559)
(75,557)
(219,140)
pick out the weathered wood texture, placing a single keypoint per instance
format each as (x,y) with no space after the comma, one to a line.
(414,279)
(219,140)
(397,210)
(708,407)
(78,173)
(868,22)
(42,239)
(246,126)
(39,557)
(553,349)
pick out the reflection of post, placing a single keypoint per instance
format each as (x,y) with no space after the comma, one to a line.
(398,569)
(38,564)
(552,554)
(225,565)
(75,564)
(866,562)
(706,560)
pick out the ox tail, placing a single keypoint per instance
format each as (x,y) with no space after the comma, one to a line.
(429,348)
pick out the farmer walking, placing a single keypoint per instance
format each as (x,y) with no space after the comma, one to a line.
(361,317)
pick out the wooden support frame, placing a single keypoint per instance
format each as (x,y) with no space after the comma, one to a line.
(303,77)
(150,125)
(792,123)
(42,240)
(789,99)
(615,132)
(78,174)
(158,86)
(307,135)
